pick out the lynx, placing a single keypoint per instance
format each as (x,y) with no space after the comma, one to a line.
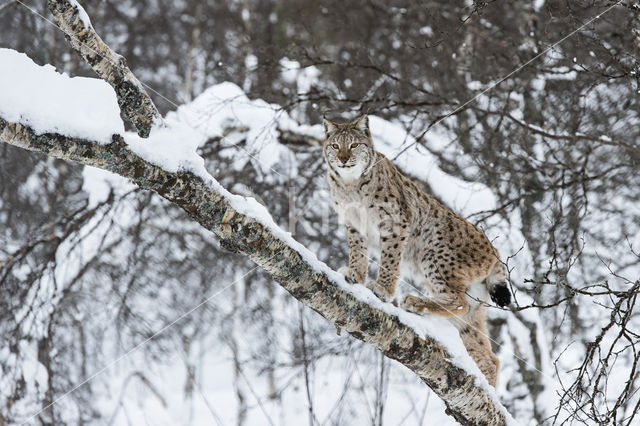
(415,237)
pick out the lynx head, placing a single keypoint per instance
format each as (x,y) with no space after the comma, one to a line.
(348,149)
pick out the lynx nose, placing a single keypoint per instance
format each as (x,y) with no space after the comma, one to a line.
(343,158)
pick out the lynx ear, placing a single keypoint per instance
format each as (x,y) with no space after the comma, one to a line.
(362,124)
(329,127)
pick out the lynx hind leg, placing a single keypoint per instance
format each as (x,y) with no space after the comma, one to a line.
(447,301)
(475,338)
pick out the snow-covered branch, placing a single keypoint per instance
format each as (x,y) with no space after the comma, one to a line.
(134,102)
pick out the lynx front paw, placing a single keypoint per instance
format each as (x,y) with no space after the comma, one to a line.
(382,292)
(350,276)
(413,304)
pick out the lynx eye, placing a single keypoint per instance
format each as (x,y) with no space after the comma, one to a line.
(335,146)
(353,145)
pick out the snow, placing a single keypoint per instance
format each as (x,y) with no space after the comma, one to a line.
(47,101)
(226,106)
(99,183)
(426,30)
(84,17)
(34,373)
(21,272)
(538,83)
(474,85)
(391,139)
(561,73)
(215,401)
(537,4)
(293,72)
(172,147)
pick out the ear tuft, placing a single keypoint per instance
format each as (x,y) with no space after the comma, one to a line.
(329,127)
(362,124)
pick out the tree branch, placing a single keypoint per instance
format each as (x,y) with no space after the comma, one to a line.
(467,402)
(134,101)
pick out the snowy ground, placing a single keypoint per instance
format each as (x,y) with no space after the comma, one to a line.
(214,401)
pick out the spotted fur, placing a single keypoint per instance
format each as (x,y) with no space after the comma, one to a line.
(415,237)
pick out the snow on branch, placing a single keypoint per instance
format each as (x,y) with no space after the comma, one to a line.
(134,102)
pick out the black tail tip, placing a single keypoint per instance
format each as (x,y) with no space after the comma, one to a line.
(500,294)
